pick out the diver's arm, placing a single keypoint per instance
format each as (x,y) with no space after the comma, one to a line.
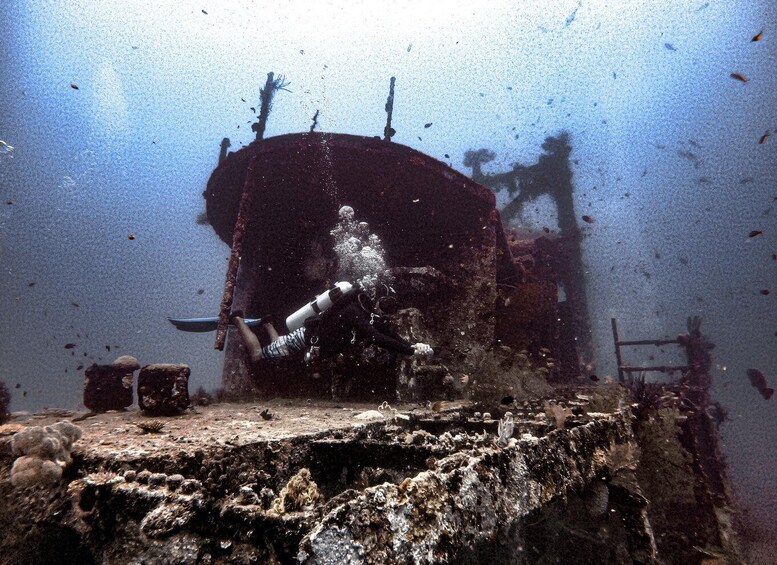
(369,332)
(418,348)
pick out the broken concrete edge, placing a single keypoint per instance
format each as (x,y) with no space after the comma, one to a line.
(466,497)
(121,460)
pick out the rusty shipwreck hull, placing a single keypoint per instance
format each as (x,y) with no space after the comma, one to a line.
(434,223)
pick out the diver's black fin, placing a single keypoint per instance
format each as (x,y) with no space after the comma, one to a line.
(205,324)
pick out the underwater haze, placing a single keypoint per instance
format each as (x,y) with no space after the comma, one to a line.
(113,115)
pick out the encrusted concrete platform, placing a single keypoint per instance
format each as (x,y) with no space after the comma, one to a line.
(298,482)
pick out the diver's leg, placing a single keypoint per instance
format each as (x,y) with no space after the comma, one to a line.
(270,331)
(250,340)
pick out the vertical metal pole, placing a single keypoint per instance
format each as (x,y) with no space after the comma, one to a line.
(243,213)
(234,258)
(617,340)
(388,131)
(266,95)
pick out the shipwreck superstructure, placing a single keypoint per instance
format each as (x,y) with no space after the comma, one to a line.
(450,255)
(374,459)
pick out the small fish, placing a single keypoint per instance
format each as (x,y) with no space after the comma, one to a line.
(73,86)
(774,256)
(588,219)
(79,367)
(763,139)
(755,233)
(739,77)
(9,202)
(108,347)
(447,405)
(201,291)
(70,345)
(31,284)
(131,236)
(447,156)
(758,36)
(18,385)
(758,380)
(204,12)
(670,46)
(573,15)
(764,291)
(428,125)
(75,304)
(409,47)
(439,405)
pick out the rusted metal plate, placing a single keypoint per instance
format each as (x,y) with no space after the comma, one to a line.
(302,179)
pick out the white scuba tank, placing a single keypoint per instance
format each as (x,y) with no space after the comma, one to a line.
(321,303)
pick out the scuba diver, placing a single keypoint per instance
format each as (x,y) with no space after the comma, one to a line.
(334,322)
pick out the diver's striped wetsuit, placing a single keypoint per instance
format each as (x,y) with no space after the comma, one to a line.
(285,345)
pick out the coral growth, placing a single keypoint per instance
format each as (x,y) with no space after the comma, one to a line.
(501,373)
(557,414)
(5,403)
(647,397)
(202,397)
(153,427)
(42,453)
(299,493)
(505,429)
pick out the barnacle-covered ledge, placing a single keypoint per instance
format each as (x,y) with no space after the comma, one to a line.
(474,498)
(574,475)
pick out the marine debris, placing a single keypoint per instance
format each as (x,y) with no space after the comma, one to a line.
(163,389)
(110,387)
